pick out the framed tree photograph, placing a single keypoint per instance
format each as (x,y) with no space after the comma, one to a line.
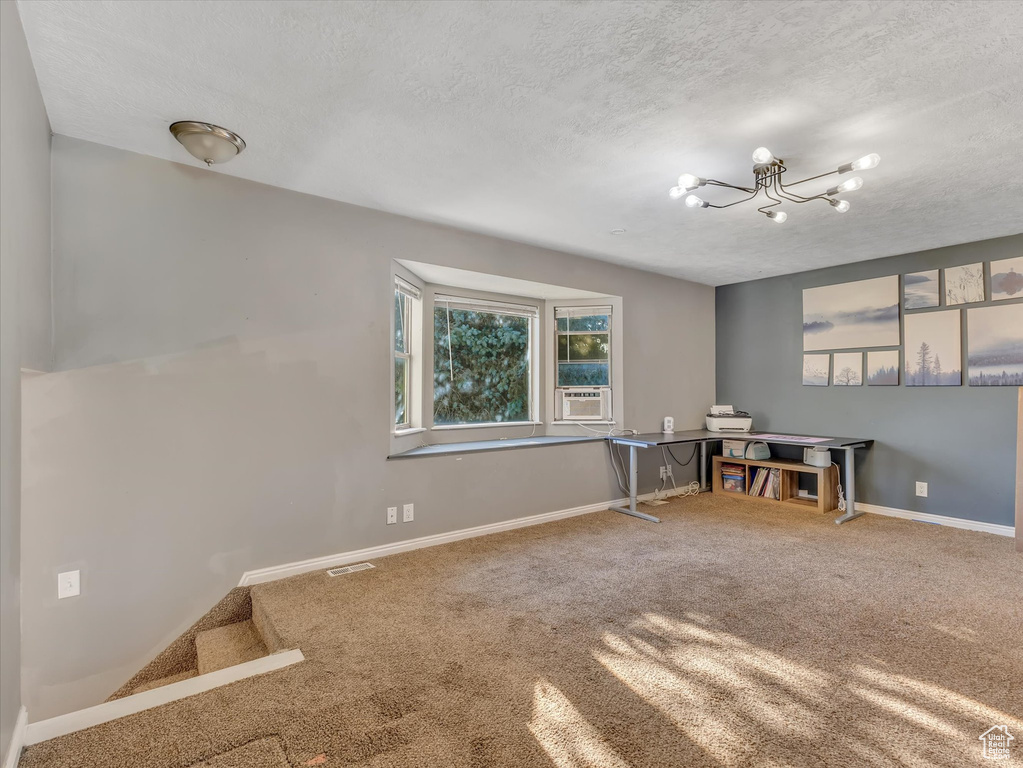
(934,349)
(883,368)
(848,369)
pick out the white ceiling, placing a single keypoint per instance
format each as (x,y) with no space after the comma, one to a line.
(554,122)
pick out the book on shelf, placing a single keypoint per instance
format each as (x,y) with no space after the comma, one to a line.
(766,483)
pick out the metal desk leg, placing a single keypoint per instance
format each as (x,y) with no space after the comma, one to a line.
(850,487)
(633,490)
(703,465)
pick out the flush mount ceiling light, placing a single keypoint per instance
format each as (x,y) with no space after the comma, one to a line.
(206,142)
(767,171)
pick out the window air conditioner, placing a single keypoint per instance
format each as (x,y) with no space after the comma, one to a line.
(584,404)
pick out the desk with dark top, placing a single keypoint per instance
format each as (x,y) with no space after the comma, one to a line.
(703,436)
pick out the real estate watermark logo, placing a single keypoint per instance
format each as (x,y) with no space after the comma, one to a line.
(996,741)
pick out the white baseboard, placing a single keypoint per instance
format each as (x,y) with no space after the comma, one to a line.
(129,705)
(17,740)
(951,522)
(275,572)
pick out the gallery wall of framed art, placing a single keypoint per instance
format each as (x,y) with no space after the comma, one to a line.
(943,323)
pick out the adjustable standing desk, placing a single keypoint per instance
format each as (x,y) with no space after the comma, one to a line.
(703,436)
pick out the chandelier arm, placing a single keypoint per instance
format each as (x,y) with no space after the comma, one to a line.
(729,205)
(811,178)
(769,205)
(717,183)
(792,196)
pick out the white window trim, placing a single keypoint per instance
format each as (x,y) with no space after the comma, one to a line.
(555,427)
(403,281)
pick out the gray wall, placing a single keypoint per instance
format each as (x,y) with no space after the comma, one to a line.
(222,402)
(959,440)
(24,316)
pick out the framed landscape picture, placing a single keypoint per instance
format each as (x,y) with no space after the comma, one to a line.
(848,369)
(864,313)
(920,289)
(965,284)
(816,370)
(934,349)
(995,345)
(1007,279)
(883,368)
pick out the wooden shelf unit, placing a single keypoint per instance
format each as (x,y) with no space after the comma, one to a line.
(827,482)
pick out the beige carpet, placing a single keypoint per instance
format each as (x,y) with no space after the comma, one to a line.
(732,634)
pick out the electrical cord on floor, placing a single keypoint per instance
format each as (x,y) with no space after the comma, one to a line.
(841,493)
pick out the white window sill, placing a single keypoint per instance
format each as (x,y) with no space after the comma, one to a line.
(492,425)
(409,431)
(581,423)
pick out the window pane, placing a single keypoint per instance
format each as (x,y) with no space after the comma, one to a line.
(400,391)
(562,323)
(562,347)
(589,323)
(400,321)
(584,375)
(483,374)
(587,346)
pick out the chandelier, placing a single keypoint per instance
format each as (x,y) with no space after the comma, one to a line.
(767,174)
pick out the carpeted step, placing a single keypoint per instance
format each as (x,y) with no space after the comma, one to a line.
(187,674)
(179,657)
(262,618)
(264,753)
(226,646)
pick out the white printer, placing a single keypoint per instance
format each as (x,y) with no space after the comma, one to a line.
(724,418)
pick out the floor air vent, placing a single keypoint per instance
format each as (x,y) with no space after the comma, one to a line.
(349,569)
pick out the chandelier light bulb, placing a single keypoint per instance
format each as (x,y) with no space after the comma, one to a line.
(689,181)
(840,205)
(676,192)
(866,162)
(762,155)
(849,185)
(694,202)
(777,216)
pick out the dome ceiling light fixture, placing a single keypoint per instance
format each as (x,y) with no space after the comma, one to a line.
(207,142)
(767,171)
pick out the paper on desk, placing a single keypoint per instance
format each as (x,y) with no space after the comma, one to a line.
(792,438)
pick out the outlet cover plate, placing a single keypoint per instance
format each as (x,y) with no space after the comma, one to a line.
(921,489)
(392,515)
(407,513)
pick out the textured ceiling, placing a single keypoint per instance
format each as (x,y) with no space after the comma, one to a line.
(554,122)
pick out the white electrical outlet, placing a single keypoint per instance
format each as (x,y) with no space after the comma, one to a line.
(921,489)
(392,515)
(69,584)
(407,513)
